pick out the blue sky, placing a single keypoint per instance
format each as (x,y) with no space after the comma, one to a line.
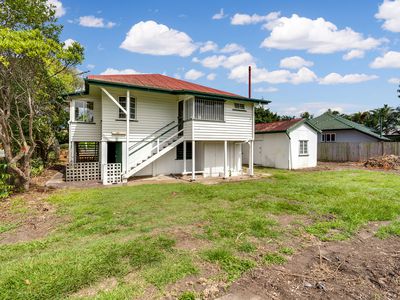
(306,55)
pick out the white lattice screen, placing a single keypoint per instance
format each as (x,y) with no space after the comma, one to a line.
(112,173)
(83,171)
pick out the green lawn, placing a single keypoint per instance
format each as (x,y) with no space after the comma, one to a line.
(133,233)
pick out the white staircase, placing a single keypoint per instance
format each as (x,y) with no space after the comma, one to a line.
(163,145)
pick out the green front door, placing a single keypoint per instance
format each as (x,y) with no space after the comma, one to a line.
(118,152)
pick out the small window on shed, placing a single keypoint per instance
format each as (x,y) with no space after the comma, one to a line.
(240,106)
(303,148)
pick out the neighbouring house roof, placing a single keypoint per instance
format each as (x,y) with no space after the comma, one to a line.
(162,83)
(328,121)
(282,126)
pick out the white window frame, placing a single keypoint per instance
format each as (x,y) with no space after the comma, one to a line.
(202,111)
(90,118)
(121,114)
(239,106)
(303,148)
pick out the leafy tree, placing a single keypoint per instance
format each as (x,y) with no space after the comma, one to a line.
(34,66)
(264,115)
(385,119)
(306,115)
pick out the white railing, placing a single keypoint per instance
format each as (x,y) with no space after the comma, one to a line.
(112,173)
(82,171)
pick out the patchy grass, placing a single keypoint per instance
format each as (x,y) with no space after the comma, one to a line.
(7,227)
(392,229)
(118,231)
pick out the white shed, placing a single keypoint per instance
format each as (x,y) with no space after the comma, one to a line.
(290,144)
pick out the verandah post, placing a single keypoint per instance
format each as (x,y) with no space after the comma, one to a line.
(128,110)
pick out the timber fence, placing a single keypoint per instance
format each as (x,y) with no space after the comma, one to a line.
(353,151)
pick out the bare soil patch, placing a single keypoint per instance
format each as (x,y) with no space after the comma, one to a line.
(364,267)
(31,217)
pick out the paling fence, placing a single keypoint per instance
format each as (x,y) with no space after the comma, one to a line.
(353,151)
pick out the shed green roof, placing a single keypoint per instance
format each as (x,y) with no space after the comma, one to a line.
(328,121)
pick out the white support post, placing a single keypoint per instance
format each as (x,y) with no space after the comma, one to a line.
(158,145)
(251,158)
(113,100)
(193,160)
(184,157)
(127,113)
(225,159)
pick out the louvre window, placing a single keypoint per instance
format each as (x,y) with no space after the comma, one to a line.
(209,110)
(84,111)
(132,113)
(239,106)
(86,152)
(303,148)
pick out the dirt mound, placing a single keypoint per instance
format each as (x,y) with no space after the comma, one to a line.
(384,162)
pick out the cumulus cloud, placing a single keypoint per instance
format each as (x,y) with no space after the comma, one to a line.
(244,19)
(232,47)
(157,39)
(211,76)
(270,89)
(354,54)
(112,71)
(68,43)
(58,7)
(295,62)
(335,78)
(92,21)
(208,46)
(390,59)
(394,80)
(304,75)
(220,15)
(314,35)
(193,74)
(228,62)
(389,11)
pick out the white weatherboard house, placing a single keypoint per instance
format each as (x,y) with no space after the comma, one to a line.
(290,144)
(174,127)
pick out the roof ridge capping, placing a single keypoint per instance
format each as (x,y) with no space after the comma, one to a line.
(163,83)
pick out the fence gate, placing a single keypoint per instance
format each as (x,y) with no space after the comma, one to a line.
(83,171)
(112,173)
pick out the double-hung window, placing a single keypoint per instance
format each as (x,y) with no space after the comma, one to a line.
(208,109)
(303,150)
(84,111)
(132,112)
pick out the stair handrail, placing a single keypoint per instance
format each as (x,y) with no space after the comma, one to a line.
(164,141)
(151,134)
(156,138)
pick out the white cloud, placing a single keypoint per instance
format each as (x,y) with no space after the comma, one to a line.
(354,54)
(244,19)
(92,21)
(335,78)
(91,66)
(304,75)
(232,47)
(228,62)
(157,39)
(316,108)
(295,62)
(68,43)
(58,7)
(211,76)
(390,59)
(112,71)
(220,15)
(266,90)
(315,36)
(389,11)
(208,46)
(394,80)
(193,74)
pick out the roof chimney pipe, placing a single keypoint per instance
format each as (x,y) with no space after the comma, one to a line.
(249,81)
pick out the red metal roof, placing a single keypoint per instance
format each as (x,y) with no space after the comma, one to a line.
(278,126)
(159,81)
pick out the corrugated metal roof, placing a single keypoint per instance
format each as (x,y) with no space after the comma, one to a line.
(279,126)
(158,81)
(328,121)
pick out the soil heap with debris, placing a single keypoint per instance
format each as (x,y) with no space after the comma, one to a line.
(384,162)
